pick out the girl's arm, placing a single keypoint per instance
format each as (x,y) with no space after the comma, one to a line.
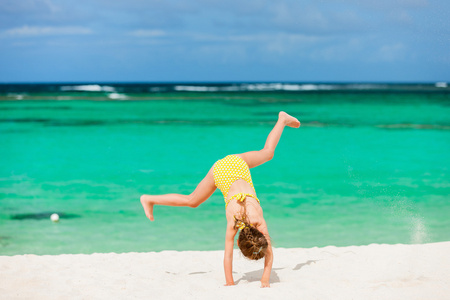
(228,257)
(268,259)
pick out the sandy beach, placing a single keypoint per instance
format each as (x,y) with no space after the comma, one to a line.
(356,272)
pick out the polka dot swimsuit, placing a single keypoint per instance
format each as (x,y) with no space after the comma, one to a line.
(228,170)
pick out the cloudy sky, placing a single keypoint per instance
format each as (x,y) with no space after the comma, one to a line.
(224,40)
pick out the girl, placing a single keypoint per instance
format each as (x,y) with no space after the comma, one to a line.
(242,208)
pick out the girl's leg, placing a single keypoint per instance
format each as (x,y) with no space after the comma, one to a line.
(201,193)
(256,158)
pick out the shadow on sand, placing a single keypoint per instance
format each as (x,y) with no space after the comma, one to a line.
(256,275)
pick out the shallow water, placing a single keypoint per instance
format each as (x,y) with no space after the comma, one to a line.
(366,167)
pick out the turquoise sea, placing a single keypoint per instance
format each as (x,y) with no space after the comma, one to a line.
(370,163)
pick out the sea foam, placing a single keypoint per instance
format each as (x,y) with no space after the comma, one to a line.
(88,88)
(117,96)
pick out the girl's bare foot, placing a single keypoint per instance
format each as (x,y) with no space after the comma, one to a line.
(289,120)
(148,206)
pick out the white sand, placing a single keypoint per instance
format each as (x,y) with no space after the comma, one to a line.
(364,272)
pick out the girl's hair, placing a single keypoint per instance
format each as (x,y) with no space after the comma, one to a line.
(252,242)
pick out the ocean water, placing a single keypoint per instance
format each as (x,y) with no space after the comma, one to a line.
(370,164)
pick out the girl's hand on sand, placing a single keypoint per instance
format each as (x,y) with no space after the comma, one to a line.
(265,284)
(229,283)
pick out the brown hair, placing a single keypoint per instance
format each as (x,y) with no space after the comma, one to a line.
(251,241)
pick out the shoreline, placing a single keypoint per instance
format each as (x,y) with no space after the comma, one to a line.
(375,271)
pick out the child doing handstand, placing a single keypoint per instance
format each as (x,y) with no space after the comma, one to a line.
(242,208)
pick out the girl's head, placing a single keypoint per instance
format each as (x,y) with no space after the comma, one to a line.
(252,242)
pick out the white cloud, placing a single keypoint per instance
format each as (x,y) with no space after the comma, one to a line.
(42,30)
(253,38)
(338,50)
(27,7)
(414,3)
(53,8)
(391,52)
(148,33)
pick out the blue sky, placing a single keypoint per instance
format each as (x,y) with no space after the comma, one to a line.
(226,40)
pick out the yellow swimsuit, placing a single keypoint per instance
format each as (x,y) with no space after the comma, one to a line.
(227,171)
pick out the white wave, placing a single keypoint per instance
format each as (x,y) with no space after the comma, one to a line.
(309,87)
(366,86)
(88,88)
(291,87)
(17,96)
(286,87)
(232,88)
(196,88)
(441,84)
(117,96)
(262,86)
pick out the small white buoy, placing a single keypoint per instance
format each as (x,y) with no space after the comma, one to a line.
(54,217)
